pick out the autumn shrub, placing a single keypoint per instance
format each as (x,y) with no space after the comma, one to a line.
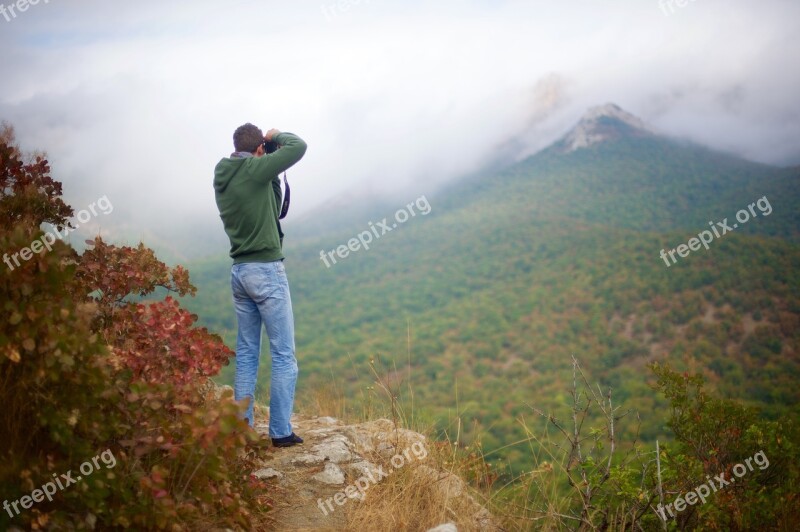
(59,395)
(588,479)
(86,364)
(712,436)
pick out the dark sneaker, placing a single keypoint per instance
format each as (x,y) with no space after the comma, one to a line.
(288,441)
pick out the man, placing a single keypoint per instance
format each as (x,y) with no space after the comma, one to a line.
(247,190)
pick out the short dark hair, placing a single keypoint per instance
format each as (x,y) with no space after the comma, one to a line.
(247,138)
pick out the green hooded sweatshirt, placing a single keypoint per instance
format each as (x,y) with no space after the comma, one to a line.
(248,194)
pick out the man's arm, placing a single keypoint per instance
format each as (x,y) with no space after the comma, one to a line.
(292,149)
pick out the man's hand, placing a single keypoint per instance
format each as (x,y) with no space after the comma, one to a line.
(271,134)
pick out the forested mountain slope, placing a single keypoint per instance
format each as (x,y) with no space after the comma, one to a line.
(515,271)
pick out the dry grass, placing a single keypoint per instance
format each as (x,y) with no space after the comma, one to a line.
(419,495)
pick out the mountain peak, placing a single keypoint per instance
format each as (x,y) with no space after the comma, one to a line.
(600,124)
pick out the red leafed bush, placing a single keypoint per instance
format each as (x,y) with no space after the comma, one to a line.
(158,343)
(115,273)
(28,195)
(86,366)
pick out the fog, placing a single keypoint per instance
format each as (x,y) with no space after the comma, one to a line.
(138,101)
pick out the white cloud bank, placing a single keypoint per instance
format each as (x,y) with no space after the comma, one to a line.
(138,101)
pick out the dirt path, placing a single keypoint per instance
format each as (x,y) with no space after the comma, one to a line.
(292,470)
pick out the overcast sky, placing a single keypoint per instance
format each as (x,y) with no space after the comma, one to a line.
(137,101)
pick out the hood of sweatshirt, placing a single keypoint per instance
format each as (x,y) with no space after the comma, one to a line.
(226,170)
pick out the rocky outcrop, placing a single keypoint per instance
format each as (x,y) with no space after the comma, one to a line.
(602,123)
(337,465)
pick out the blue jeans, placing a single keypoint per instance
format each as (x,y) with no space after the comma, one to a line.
(261,295)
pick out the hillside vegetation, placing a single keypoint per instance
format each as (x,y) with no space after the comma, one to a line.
(483,302)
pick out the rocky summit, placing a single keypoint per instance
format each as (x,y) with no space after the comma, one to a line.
(601,123)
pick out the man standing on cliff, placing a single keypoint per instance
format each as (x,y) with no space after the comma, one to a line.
(247,190)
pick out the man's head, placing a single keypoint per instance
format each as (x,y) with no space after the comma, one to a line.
(249,138)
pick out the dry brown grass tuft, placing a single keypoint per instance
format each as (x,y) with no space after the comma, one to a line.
(419,495)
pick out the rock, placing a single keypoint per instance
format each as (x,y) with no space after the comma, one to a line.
(362,469)
(211,389)
(327,420)
(385,429)
(362,442)
(449,485)
(447,527)
(334,449)
(385,449)
(330,475)
(320,432)
(267,472)
(308,459)
(483,519)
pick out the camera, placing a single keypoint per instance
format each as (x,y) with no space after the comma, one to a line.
(270,146)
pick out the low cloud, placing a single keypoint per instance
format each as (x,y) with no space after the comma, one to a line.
(139,101)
